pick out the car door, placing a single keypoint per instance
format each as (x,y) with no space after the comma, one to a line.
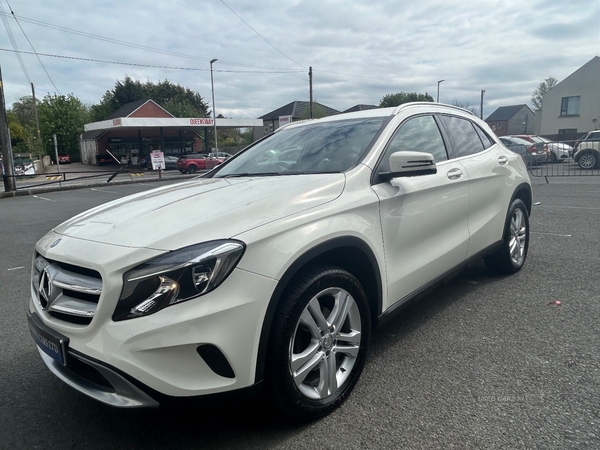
(423,218)
(488,171)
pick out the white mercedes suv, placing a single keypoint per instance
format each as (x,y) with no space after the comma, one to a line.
(269,273)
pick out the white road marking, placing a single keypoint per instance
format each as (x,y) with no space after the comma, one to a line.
(570,207)
(552,234)
(104,190)
(44,198)
(17,268)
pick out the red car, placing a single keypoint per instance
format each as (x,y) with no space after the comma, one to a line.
(194,162)
(64,159)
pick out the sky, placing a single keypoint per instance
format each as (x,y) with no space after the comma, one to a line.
(359,51)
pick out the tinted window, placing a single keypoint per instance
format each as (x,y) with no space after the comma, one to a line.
(321,147)
(465,139)
(592,136)
(485,139)
(418,134)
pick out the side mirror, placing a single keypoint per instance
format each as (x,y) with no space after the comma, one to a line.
(410,164)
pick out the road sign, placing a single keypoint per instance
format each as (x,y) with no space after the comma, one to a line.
(158,160)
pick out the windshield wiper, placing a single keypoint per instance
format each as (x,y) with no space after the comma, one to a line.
(277,174)
(248,174)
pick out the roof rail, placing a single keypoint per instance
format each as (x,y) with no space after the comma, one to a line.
(406,105)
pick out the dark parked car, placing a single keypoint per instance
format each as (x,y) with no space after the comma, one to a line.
(170,162)
(531,154)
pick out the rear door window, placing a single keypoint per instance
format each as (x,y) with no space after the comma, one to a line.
(465,140)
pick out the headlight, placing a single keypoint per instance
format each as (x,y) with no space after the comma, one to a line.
(176,277)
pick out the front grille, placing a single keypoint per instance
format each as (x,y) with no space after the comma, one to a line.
(69,293)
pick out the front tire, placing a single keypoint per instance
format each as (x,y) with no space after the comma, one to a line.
(319,342)
(511,256)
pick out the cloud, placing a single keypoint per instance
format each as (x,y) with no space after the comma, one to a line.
(359,51)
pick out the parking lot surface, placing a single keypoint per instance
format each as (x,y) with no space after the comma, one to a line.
(482,362)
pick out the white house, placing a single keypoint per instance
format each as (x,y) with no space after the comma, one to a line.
(572,107)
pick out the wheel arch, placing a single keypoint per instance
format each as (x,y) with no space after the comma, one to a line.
(524,193)
(349,253)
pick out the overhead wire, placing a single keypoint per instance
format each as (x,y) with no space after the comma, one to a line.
(130,44)
(26,37)
(150,65)
(260,35)
(13,42)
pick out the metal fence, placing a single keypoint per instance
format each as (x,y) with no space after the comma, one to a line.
(567,168)
(70,177)
(560,158)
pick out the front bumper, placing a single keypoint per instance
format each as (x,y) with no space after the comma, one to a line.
(109,386)
(98,382)
(138,362)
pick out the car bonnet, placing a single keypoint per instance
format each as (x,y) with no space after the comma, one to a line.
(201,210)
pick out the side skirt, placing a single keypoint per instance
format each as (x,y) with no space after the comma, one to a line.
(426,289)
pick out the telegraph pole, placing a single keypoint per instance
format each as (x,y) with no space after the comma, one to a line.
(310,92)
(9,173)
(37,121)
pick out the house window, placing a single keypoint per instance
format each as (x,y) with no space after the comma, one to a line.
(568,131)
(569,106)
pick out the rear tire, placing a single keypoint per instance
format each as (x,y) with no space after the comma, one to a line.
(511,256)
(588,159)
(318,344)
(192,169)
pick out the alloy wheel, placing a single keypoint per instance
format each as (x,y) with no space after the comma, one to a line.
(326,343)
(587,161)
(518,236)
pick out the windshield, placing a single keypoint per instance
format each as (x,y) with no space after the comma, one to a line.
(320,147)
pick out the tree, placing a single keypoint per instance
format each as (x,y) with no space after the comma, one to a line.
(318,112)
(404,97)
(22,125)
(234,137)
(466,106)
(178,100)
(18,133)
(538,93)
(103,109)
(63,115)
(23,110)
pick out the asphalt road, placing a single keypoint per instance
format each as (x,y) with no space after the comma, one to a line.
(483,362)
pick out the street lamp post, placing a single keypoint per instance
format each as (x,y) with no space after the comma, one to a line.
(438,93)
(212,86)
(481,106)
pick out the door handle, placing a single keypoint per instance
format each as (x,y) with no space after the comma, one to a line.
(502,160)
(454,174)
